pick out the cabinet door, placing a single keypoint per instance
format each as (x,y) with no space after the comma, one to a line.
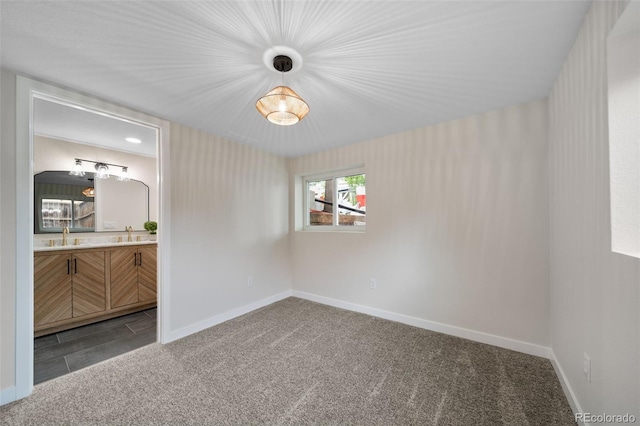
(89,284)
(52,288)
(147,274)
(124,277)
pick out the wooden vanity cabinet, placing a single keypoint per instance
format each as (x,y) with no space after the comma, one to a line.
(51,289)
(89,288)
(68,285)
(133,275)
(74,287)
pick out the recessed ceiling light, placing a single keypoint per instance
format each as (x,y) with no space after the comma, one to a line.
(133,140)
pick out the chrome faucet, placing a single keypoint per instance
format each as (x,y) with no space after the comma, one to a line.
(129,229)
(65,231)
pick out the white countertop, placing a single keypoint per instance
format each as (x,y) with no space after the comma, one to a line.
(88,245)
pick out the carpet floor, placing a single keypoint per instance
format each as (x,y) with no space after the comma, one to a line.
(297,362)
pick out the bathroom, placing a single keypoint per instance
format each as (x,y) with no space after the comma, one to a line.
(95,264)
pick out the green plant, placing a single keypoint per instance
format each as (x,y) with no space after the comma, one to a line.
(355,180)
(151,226)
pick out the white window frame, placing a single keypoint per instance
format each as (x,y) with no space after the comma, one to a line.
(624,132)
(306,202)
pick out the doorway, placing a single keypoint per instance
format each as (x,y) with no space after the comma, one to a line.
(27,93)
(86,316)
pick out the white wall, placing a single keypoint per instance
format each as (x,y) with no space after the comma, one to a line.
(595,297)
(229,218)
(7,232)
(457,226)
(55,154)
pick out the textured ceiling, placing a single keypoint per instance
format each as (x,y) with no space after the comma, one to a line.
(370,68)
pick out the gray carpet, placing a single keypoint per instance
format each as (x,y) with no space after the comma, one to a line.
(297,362)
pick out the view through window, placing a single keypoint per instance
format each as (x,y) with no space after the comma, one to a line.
(337,201)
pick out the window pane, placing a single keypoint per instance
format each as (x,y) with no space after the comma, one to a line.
(320,195)
(352,203)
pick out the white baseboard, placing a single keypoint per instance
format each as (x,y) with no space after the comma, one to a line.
(566,387)
(476,336)
(7,395)
(226,316)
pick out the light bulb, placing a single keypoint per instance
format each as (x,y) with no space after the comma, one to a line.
(76,170)
(102,171)
(124,176)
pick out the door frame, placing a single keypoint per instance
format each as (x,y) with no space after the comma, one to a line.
(26,90)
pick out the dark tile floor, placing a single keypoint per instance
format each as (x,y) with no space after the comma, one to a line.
(61,353)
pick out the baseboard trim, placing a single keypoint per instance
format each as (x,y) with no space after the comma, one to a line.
(226,316)
(566,387)
(476,336)
(8,395)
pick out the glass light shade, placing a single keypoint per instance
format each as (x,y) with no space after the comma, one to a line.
(124,176)
(282,106)
(89,191)
(102,171)
(76,170)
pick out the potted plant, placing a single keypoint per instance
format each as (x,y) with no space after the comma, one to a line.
(152,227)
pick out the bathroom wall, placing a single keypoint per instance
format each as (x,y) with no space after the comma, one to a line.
(55,154)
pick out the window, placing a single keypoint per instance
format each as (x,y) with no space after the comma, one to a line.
(336,201)
(623,75)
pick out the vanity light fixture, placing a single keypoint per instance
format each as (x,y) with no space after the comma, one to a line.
(102,169)
(282,105)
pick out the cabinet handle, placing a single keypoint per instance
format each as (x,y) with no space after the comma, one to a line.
(140,259)
(135,259)
(68,266)
(75,266)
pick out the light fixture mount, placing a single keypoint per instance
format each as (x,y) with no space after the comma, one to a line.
(296,58)
(282,63)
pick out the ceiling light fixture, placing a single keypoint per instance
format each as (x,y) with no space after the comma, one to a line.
(282,105)
(133,140)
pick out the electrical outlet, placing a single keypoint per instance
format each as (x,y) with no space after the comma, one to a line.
(250,281)
(586,366)
(373,284)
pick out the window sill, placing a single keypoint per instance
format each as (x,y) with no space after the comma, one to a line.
(335,229)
